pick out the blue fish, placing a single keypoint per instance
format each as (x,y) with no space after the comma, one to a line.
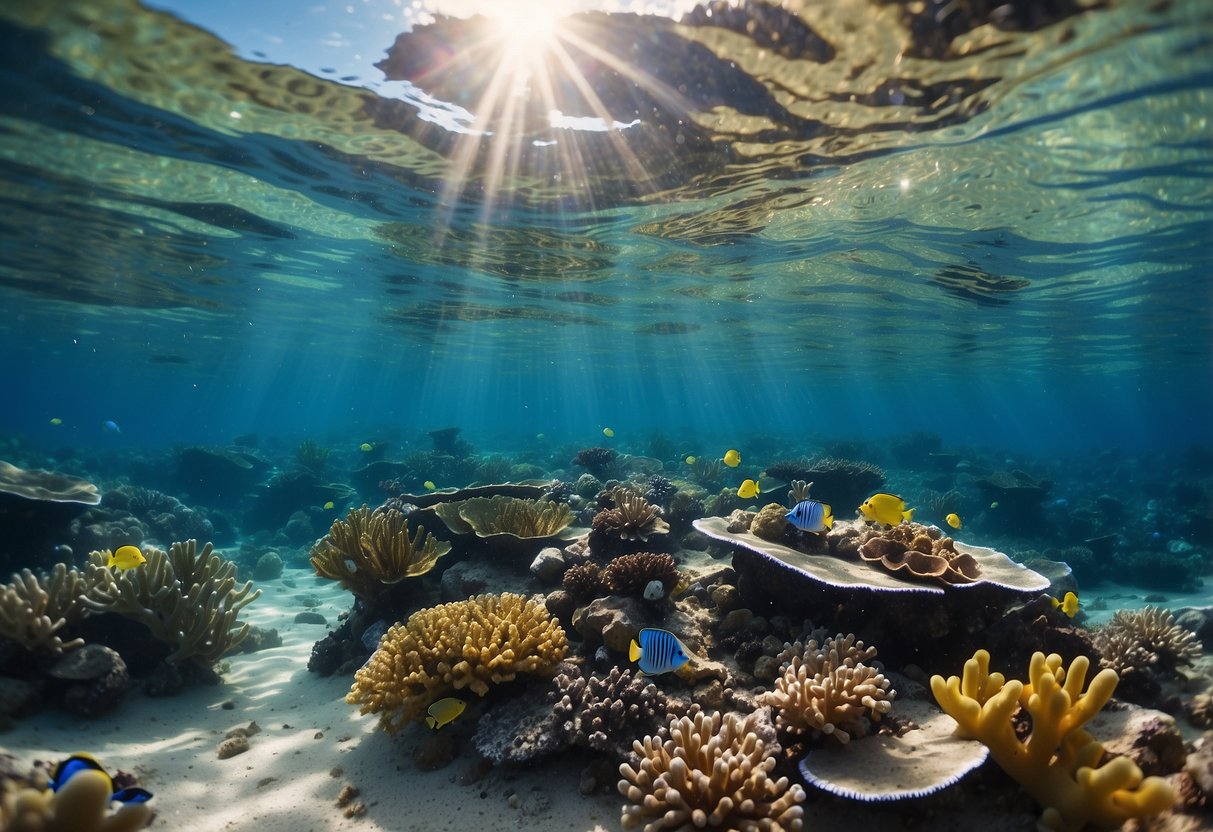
(110,426)
(659,651)
(811,516)
(73,765)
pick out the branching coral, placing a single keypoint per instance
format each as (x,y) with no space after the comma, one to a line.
(601,462)
(33,608)
(1136,639)
(471,644)
(632,518)
(828,689)
(583,580)
(607,713)
(630,574)
(920,552)
(370,550)
(82,805)
(712,771)
(1059,763)
(186,598)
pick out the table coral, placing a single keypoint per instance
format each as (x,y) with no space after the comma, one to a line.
(712,771)
(1059,763)
(487,639)
(828,689)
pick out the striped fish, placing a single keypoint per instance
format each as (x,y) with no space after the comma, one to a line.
(811,516)
(658,651)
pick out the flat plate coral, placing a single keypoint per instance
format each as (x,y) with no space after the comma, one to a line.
(996,568)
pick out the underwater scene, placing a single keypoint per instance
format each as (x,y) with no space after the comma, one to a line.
(604,415)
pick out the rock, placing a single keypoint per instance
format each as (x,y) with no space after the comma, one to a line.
(726,598)
(436,751)
(701,669)
(739,521)
(1149,738)
(259,638)
(299,528)
(735,622)
(89,662)
(614,620)
(770,523)
(1199,765)
(269,567)
(463,580)
(310,617)
(17,697)
(548,565)
(766,668)
(232,746)
(562,605)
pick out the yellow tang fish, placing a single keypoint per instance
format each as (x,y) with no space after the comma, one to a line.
(1068,604)
(127,557)
(748,489)
(608,432)
(954,521)
(690,460)
(328,505)
(888,509)
(366,447)
(444,711)
(429,485)
(732,457)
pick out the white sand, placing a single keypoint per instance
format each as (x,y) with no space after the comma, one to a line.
(285,782)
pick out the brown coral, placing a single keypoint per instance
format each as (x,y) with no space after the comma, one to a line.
(828,689)
(920,552)
(630,574)
(370,550)
(511,515)
(583,580)
(34,607)
(632,518)
(471,644)
(712,771)
(1137,639)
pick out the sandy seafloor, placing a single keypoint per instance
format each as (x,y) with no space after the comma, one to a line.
(311,744)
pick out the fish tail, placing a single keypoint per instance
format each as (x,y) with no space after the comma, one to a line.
(829,521)
(634,651)
(433,723)
(908,514)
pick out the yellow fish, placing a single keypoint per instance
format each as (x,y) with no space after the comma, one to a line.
(1068,604)
(429,485)
(444,711)
(954,521)
(608,433)
(56,421)
(366,447)
(127,557)
(732,457)
(888,509)
(328,505)
(994,504)
(690,460)
(748,489)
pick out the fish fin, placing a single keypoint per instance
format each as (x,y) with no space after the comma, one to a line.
(634,651)
(132,794)
(112,562)
(433,723)
(1054,602)
(908,514)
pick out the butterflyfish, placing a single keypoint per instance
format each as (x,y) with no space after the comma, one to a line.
(657,651)
(690,460)
(56,421)
(444,711)
(67,769)
(732,457)
(811,516)
(954,521)
(126,557)
(1068,604)
(888,509)
(330,504)
(608,432)
(748,489)
(429,485)
(366,447)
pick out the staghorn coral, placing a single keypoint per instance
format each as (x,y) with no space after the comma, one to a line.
(607,713)
(712,771)
(1059,762)
(33,608)
(371,550)
(828,689)
(186,598)
(630,574)
(1137,639)
(511,515)
(583,580)
(632,518)
(920,552)
(82,805)
(484,640)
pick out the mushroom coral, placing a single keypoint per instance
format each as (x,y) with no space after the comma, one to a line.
(464,644)
(1059,763)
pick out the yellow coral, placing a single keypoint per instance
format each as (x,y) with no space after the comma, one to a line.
(511,515)
(713,771)
(82,805)
(1058,764)
(370,550)
(465,644)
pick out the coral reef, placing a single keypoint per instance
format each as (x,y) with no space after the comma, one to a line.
(839,482)
(658,489)
(370,550)
(1059,762)
(770,522)
(828,689)
(712,771)
(513,516)
(470,644)
(919,552)
(82,805)
(312,456)
(583,581)
(1137,639)
(632,519)
(33,608)
(630,574)
(186,598)
(608,712)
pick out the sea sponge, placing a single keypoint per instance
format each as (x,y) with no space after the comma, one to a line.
(34,607)
(632,518)
(371,550)
(828,689)
(82,805)
(920,552)
(1137,639)
(712,771)
(484,640)
(1059,763)
(770,522)
(630,574)
(186,598)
